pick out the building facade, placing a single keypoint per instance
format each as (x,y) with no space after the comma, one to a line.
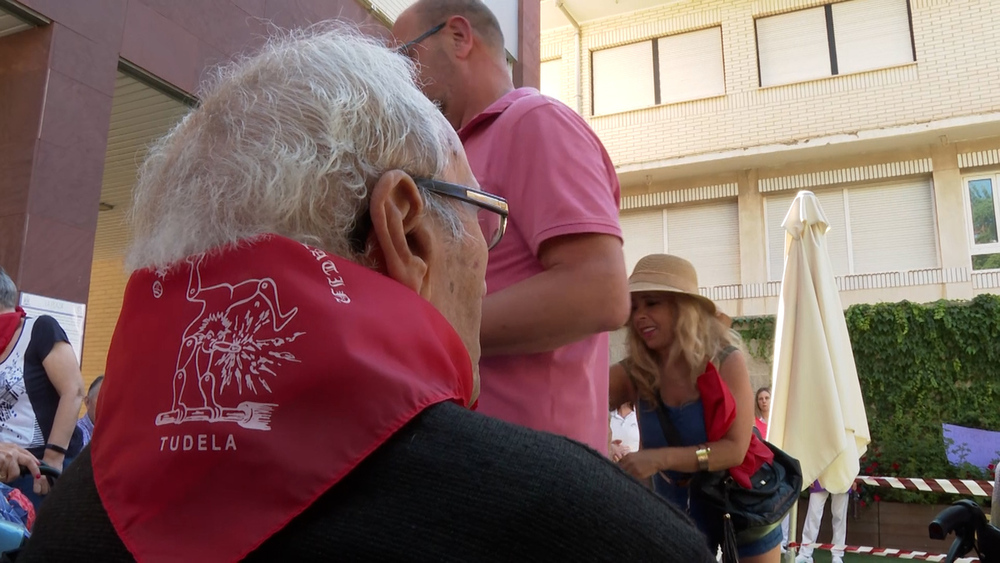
(86,86)
(717,112)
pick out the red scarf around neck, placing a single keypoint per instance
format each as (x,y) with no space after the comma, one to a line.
(9,323)
(241,386)
(720,413)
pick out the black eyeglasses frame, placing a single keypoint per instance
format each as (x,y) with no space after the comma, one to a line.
(483,200)
(404,49)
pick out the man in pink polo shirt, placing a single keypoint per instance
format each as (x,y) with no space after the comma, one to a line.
(557,281)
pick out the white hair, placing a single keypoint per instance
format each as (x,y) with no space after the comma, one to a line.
(289,141)
(8,292)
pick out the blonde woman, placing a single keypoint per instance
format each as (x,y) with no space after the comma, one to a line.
(685,361)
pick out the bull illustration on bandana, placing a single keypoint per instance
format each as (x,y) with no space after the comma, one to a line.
(233,347)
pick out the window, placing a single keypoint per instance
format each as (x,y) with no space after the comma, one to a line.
(793,47)
(776,208)
(707,234)
(840,38)
(983,208)
(551,78)
(642,234)
(677,68)
(877,228)
(871,34)
(691,66)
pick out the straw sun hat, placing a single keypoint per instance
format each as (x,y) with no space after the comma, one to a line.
(672,274)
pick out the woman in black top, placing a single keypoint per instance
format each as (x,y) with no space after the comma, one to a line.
(41,389)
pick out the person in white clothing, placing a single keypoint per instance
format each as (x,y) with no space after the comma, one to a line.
(624,431)
(810,531)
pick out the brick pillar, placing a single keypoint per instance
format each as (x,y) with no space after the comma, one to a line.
(953,234)
(57,87)
(528,69)
(753,244)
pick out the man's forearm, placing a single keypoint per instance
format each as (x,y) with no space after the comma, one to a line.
(551,309)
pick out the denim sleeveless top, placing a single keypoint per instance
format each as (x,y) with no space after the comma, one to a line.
(689,419)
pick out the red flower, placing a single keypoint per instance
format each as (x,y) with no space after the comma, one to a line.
(991,468)
(877,499)
(895,467)
(862,503)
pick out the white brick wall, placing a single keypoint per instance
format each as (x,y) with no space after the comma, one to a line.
(954,75)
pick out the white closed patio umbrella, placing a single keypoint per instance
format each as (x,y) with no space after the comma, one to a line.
(817,411)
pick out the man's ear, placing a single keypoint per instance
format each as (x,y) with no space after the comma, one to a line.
(460,34)
(402,231)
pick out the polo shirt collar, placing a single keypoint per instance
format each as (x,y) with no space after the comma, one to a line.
(494,110)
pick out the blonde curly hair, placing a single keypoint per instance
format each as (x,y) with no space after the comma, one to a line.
(699,337)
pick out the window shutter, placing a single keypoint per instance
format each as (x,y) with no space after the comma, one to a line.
(832,203)
(623,78)
(618,343)
(392,8)
(871,34)
(893,227)
(708,235)
(793,47)
(551,78)
(691,66)
(642,232)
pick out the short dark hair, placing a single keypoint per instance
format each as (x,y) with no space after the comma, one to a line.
(93,384)
(8,291)
(483,21)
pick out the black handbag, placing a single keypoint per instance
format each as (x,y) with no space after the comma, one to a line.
(748,514)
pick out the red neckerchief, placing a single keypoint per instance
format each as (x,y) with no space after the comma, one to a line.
(720,412)
(242,386)
(9,323)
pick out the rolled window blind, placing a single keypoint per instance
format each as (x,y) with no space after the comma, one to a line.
(708,235)
(832,203)
(871,34)
(623,78)
(893,227)
(793,47)
(551,79)
(691,66)
(642,233)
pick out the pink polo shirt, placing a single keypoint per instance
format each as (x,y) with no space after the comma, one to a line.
(558,179)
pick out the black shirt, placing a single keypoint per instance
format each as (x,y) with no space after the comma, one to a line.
(452,485)
(44,397)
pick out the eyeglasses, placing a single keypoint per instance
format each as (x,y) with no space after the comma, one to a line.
(492,214)
(404,49)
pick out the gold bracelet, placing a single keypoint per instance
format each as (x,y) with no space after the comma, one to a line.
(702,453)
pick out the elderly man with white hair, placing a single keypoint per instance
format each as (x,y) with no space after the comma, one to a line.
(293,375)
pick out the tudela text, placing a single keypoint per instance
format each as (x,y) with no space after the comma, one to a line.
(197,442)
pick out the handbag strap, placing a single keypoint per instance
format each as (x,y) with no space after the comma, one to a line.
(670,432)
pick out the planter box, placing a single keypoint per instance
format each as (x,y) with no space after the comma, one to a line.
(883,524)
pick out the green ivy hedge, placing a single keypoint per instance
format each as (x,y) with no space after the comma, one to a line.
(919,366)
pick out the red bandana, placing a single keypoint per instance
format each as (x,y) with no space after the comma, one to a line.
(9,323)
(720,413)
(242,386)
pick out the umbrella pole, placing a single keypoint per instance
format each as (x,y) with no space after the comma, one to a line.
(793,519)
(995,502)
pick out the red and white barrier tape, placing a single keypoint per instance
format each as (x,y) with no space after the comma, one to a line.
(953,486)
(885,552)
